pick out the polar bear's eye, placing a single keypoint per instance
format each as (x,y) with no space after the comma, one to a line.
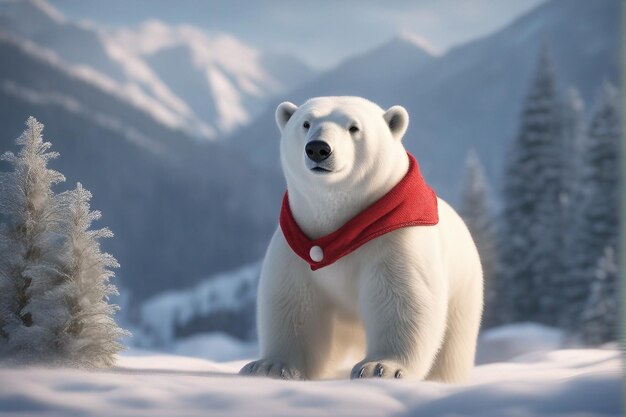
(353,129)
(306,125)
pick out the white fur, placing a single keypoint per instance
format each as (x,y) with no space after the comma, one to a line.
(408,301)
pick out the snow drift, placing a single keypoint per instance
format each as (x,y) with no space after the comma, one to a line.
(558,383)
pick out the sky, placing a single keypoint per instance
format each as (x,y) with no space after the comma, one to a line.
(321,32)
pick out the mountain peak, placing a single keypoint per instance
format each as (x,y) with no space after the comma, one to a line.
(154,35)
(418,41)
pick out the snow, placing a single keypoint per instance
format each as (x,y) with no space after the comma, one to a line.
(73,106)
(234,76)
(507,342)
(215,346)
(233,71)
(542,380)
(229,106)
(130,93)
(207,50)
(557,383)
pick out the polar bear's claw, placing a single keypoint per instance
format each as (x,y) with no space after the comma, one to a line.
(272,369)
(377,369)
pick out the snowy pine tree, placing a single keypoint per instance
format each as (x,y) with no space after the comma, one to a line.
(32,287)
(597,216)
(599,321)
(574,141)
(475,211)
(6,288)
(91,334)
(532,229)
(54,281)
(573,133)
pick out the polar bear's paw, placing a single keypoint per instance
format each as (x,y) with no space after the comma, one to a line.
(378,369)
(271,368)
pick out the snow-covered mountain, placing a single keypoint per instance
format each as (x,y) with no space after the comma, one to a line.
(89,48)
(184,78)
(471,96)
(224,81)
(180,209)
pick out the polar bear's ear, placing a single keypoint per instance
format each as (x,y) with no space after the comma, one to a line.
(284,111)
(397,119)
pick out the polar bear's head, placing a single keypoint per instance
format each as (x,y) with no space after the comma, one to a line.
(331,142)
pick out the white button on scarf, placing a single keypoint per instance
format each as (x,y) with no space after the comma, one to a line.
(316,254)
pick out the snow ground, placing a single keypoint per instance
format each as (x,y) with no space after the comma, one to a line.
(504,343)
(573,382)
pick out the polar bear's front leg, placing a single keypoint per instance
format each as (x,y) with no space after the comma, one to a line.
(404,312)
(294,319)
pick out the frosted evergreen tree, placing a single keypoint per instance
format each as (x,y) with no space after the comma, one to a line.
(91,336)
(599,321)
(573,133)
(596,225)
(32,286)
(575,143)
(54,281)
(6,289)
(532,229)
(475,211)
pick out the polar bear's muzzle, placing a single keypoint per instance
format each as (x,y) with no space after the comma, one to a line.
(318,156)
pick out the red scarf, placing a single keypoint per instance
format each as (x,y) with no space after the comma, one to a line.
(410,203)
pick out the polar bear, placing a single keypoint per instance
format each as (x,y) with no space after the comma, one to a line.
(407,302)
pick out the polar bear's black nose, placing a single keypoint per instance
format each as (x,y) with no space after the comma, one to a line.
(317,150)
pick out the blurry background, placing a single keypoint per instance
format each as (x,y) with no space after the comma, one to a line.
(164,110)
